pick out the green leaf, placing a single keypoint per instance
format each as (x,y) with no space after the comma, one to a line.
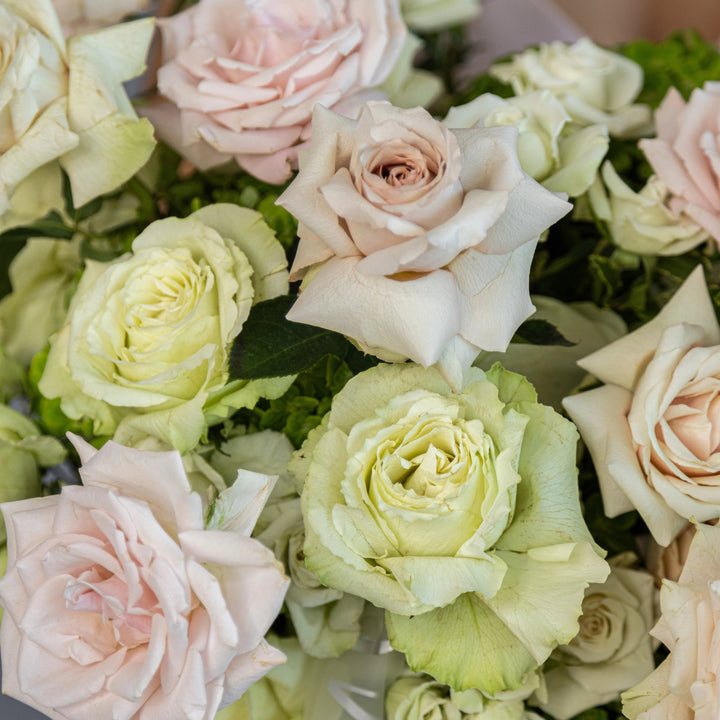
(540,332)
(52,225)
(271,346)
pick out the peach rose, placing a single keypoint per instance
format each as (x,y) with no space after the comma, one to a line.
(416,239)
(120,603)
(243,77)
(685,155)
(654,429)
(685,686)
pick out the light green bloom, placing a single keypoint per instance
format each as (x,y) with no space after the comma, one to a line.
(553,369)
(145,347)
(456,512)
(425,15)
(421,698)
(23,451)
(65,106)
(643,222)
(551,148)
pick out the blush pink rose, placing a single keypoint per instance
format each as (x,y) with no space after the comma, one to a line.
(416,239)
(119,604)
(243,76)
(685,155)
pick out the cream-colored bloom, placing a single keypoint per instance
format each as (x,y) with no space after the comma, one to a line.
(65,102)
(243,76)
(23,451)
(644,222)
(595,85)
(450,510)
(552,149)
(82,16)
(428,15)
(553,369)
(133,608)
(686,154)
(685,685)
(613,649)
(145,346)
(425,228)
(653,429)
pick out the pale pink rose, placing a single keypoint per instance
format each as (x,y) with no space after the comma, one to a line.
(120,604)
(685,155)
(654,429)
(244,75)
(416,239)
(685,686)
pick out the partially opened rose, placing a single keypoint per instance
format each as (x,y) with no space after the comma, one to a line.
(457,512)
(653,429)
(144,349)
(65,102)
(429,230)
(684,154)
(242,76)
(685,686)
(119,602)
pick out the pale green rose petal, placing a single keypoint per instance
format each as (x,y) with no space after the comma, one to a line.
(649,693)
(107,155)
(407,87)
(434,14)
(238,394)
(34,197)
(12,376)
(327,630)
(542,593)
(512,387)
(464,645)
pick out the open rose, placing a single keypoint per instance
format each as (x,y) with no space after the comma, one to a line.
(685,686)
(65,102)
(686,154)
(243,77)
(431,231)
(654,429)
(120,603)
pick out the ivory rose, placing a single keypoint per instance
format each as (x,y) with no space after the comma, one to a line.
(243,77)
(652,429)
(65,102)
(120,602)
(595,85)
(82,16)
(144,349)
(685,685)
(685,155)
(458,513)
(431,231)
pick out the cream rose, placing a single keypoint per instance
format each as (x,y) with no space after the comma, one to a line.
(686,154)
(133,608)
(82,16)
(552,150)
(65,101)
(425,228)
(613,649)
(595,85)
(145,346)
(243,77)
(685,685)
(644,222)
(653,429)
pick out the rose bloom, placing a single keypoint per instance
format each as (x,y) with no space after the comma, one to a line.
(429,15)
(684,154)
(431,231)
(243,77)
(62,101)
(653,429)
(456,512)
(685,685)
(595,85)
(144,349)
(81,16)
(119,603)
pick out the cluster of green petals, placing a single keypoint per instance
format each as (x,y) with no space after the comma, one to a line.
(458,513)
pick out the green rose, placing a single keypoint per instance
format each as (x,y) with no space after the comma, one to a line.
(23,451)
(457,513)
(145,346)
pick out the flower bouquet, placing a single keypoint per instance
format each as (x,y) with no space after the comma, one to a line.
(333,390)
